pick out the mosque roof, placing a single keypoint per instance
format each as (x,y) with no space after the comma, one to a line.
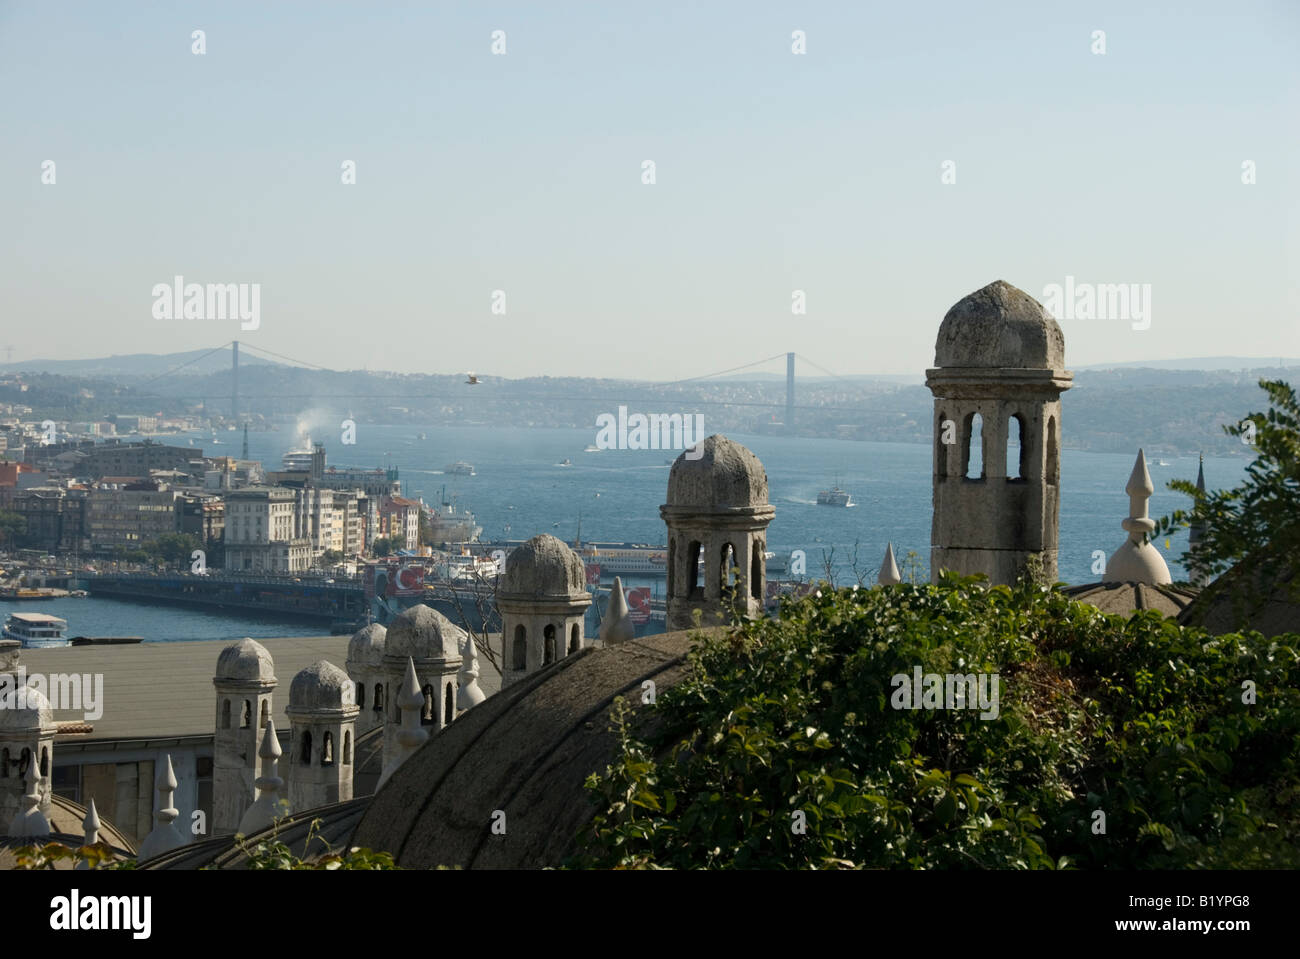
(544,567)
(718,475)
(1000,326)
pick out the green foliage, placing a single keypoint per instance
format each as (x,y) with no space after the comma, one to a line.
(1259,521)
(174,549)
(98,856)
(13,527)
(1138,718)
(381,546)
(272,853)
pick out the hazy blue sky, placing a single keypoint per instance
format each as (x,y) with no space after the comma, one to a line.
(775,172)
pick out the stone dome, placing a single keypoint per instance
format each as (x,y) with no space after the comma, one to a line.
(1000,327)
(366,648)
(544,566)
(1137,563)
(422,632)
(321,685)
(245,661)
(726,476)
(24,709)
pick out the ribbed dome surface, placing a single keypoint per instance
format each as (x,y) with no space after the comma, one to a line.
(246,660)
(321,685)
(544,567)
(1000,326)
(366,648)
(24,709)
(726,476)
(422,632)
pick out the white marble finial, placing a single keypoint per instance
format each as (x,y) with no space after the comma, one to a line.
(468,693)
(617,626)
(889,574)
(164,836)
(90,825)
(30,823)
(412,735)
(1138,561)
(269,804)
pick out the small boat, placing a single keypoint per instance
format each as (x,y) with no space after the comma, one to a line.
(36,630)
(1163,463)
(424,436)
(565,462)
(460,468)
(834,497)
(589,448)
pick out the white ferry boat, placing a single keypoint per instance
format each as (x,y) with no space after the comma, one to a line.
(460,468)
(834,497)
(36,630)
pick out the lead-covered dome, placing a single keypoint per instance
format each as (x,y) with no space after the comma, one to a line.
(542,567)
(1000,327)
(322,685)
(725,475)
(366,647)
(245,661)
(24,709)
(422,632)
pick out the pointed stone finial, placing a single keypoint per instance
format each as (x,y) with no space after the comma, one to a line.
(412,735)
(1138,561)
(617,626)
(269,804)
(889,574)
(164,836)
(30,822)
(1197,530)
(90,825)
(468,693)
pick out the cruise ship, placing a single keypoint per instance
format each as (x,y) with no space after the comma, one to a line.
(834,497)
(300,459)
(625,559)
(460,468)
(449,524)
(36,630)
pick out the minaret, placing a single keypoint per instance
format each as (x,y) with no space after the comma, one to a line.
(322,721)
(999,356)
(269,805)
(1197,531)
(889,574)
(617,626)
(164,836)
(468,692)
(543,603)
(1138,561)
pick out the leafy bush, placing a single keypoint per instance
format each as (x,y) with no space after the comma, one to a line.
(1137,719)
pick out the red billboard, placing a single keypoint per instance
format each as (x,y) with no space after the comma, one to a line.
(638,604)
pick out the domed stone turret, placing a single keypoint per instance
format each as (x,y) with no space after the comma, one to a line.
(725,475)
(543,603)
(422,632)
(322,715)
(717,510)
(245,661)
(27,731)
(365,667)
(998,380)
(433,643)
(244,681)
(1000,326)
(544,567)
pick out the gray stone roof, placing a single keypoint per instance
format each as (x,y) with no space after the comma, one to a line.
(320,686)
(726,476)
(997,327)
(544,567)
(366,648)
(1124,599)
(525,751)
(24,709)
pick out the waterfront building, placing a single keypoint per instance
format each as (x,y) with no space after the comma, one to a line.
(128,514)
(55,517)
(261,531)
(399,519)
(116,458)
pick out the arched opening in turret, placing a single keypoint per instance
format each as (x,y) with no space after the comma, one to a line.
(520,658)
(225,714)
(347,749)
(379,698)
(727,570)
(427,713)
(449,705)
(246,715)
(756,570)
(693,588)
(575,639)
(361,695)
(327,749)
(24,760)
(672,564)
(4,763)
(45,761)
(548,644)
(304,749)
(1017,448)
(1053,455)
(266,714)
(972,460)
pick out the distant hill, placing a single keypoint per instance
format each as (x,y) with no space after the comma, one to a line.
(1200,363)
(138,364)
